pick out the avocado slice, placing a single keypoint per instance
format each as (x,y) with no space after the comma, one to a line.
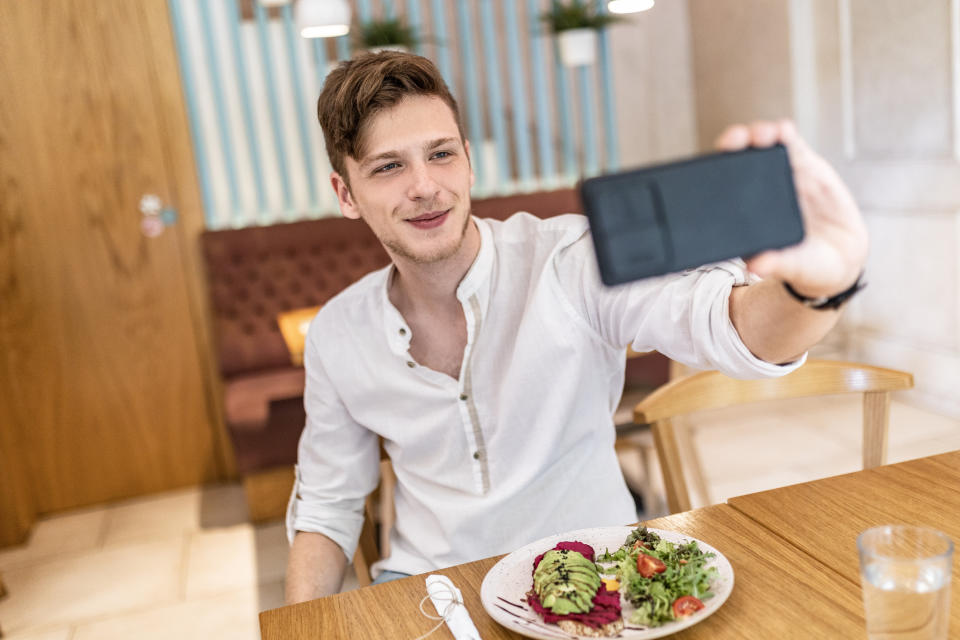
(566,581)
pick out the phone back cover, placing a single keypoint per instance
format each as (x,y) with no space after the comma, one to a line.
(677,216)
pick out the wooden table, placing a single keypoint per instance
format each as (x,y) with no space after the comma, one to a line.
(770,597)
(823,518)
(792,549)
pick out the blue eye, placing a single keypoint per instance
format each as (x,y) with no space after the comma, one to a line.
(387,167)
(442,154)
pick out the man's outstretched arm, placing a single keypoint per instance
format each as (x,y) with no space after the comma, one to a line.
(774,325)
(315,567)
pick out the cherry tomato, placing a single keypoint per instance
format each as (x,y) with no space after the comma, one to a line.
(686,606)
(648,566)
(640,544)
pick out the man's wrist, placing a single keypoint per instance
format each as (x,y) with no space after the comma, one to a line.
(827,302)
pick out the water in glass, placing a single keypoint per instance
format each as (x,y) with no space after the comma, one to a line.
(906,601)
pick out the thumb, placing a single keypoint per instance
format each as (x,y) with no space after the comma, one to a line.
(763,264)
(783,264)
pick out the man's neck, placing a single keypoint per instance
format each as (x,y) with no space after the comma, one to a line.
(432,288)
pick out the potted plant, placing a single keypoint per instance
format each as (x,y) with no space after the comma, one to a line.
(575,24)
(387,35)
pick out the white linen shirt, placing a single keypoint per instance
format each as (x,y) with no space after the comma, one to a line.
(521,445)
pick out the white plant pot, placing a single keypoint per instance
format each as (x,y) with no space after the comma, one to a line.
(389,47)
(578,47)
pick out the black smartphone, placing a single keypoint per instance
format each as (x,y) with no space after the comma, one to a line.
(666,218)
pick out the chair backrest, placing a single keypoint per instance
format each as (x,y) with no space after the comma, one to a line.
(255,273)
(367,550)
(713,390)
(378,511)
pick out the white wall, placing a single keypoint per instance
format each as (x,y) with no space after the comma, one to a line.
(888,74)
(875,86)
(653,80)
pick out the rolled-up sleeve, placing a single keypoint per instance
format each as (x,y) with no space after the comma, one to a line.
(685,316)
(338,461)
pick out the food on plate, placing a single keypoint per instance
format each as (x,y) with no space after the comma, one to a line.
(664,581)
(569,592)
(581,593)
(649,566)
(611,583)
(686,606)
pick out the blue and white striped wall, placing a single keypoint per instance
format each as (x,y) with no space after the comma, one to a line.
(251,87)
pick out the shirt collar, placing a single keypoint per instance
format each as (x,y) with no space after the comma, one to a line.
(478,274)
(398,332)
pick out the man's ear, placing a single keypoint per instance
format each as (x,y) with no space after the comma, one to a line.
(348,206)
(466,148)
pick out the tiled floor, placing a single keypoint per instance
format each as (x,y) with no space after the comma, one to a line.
(186,564)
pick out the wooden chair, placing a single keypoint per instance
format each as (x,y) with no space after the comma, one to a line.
(713,390)
(636,440)
(379,509)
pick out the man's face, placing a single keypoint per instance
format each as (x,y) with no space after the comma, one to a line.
(412,185)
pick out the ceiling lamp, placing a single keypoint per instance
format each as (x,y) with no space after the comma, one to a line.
(322,18)
(629,6)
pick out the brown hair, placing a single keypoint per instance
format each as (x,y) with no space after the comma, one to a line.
(360,88)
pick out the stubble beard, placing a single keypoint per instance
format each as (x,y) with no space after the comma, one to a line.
(401,250)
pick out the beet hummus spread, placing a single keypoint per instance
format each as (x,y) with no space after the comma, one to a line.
(604,607)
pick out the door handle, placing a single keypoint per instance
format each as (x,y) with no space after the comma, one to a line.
(155,216)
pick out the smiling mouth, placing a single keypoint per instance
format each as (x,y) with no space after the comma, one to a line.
(430,215)
(430,220)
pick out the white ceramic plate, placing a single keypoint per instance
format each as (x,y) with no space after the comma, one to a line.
(506,584)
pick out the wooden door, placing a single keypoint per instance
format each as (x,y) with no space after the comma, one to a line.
(104,366)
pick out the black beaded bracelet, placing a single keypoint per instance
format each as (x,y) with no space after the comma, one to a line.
(832,302)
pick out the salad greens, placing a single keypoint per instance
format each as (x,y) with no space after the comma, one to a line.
(655,584)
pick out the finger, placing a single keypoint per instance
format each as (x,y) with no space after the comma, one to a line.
(763,264)
(764,134)
(788,132)
(782,264)
(801,155)
(733,138)
(790,136)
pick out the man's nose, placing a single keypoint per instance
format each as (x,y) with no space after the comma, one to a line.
(422,185)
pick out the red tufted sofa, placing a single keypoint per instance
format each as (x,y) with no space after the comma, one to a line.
(258,272)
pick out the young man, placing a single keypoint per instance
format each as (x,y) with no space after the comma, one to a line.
(489,357)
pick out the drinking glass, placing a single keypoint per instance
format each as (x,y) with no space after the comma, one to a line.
(905,572)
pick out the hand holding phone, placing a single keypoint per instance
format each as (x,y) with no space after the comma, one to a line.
(671,217)
(834,248)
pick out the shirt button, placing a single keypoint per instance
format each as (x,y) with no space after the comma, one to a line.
(403,331)
(476,455)
(463,396)
(411,364)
